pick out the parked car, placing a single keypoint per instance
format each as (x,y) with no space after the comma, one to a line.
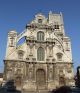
(9,87)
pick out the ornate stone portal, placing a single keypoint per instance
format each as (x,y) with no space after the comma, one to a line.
(43,61)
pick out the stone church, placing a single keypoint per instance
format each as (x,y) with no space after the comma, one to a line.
(43,59)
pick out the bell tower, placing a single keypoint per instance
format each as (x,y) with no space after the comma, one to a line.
(11,43)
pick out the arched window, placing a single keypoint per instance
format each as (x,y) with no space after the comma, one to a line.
(40,54)
(59,56)
(40,36)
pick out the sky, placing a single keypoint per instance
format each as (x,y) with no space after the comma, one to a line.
(15,14)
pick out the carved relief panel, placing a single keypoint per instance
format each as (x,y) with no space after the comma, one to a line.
(50,72)
(18,70)
(9,74)
(31,47)
(10,70)
(30,71)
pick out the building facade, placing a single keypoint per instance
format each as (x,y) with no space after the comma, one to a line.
(40,57)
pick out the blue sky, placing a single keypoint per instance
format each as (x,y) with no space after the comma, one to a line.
(15,14)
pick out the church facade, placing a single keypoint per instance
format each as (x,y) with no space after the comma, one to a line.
(43,61)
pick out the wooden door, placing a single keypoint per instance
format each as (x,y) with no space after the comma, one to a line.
(41,79)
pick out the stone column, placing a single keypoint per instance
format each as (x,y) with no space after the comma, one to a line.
(27,67)
(50,50)
(56,75)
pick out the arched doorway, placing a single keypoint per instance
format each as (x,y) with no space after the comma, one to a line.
(41,79)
